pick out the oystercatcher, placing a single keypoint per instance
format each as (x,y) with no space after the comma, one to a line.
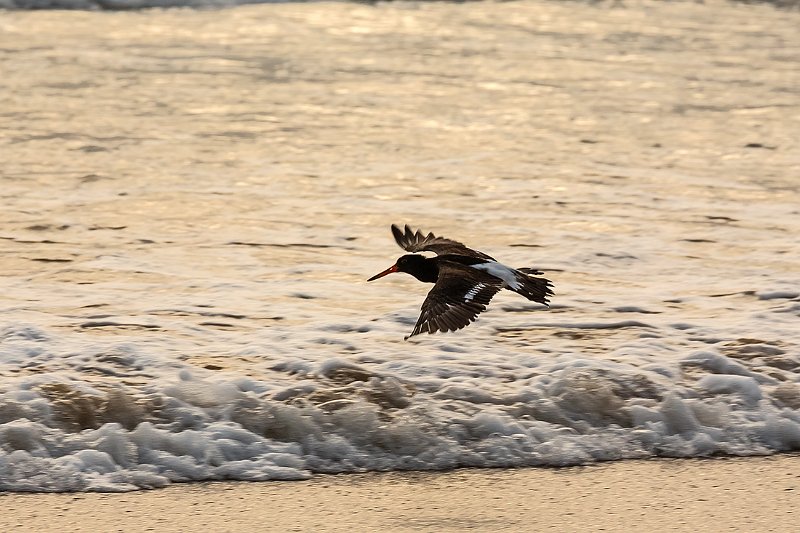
(464,280)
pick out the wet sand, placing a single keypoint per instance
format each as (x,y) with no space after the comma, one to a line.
(736,494)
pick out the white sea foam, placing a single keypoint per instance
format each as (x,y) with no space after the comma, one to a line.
(60,432)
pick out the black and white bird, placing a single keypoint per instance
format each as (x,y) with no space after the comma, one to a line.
(465,280)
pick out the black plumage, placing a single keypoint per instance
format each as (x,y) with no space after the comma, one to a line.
(465,280)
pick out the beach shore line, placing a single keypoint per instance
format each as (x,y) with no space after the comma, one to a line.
(727,494)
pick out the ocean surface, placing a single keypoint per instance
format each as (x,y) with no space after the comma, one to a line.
(192,202)
(216,4)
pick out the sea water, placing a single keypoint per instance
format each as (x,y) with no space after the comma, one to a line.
(192,202)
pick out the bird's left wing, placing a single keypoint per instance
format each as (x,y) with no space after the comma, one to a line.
(416,241)
(456,299)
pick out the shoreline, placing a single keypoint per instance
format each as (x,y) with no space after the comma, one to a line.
(718,494)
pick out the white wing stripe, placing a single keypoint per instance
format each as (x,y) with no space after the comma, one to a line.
(500,271)
(474,292)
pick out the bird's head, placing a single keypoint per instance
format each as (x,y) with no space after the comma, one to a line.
(410,264)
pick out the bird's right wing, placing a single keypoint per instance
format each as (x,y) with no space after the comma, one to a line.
(457,297)
(412,241)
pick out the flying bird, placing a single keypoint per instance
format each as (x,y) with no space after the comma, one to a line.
(465,280)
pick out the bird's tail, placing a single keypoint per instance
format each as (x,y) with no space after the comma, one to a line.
(533,288)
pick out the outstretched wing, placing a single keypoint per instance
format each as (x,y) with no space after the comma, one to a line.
(456,299)
(417,242)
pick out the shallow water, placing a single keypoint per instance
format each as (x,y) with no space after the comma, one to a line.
(193,200)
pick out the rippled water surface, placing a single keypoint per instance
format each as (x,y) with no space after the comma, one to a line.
(193,200)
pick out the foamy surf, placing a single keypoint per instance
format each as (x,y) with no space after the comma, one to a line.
(63,433)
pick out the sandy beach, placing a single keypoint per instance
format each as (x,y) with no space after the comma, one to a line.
(193,200)
(747,495)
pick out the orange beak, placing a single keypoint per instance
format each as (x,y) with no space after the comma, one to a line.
(386,272)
